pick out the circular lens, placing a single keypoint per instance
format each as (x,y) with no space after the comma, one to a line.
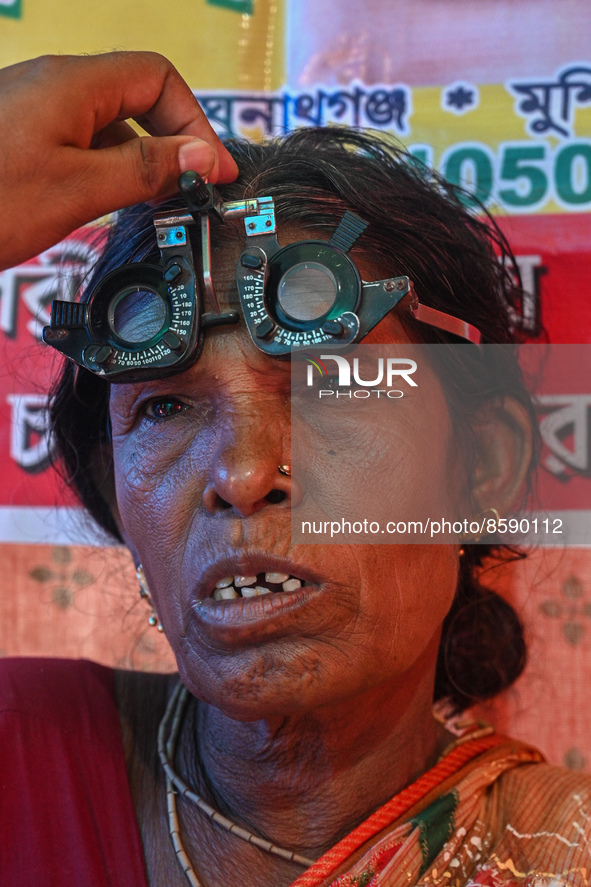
(307,291)
(137,315)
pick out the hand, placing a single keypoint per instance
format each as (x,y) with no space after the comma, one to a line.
(69,157)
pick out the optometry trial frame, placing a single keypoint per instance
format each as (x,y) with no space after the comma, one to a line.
(144,321)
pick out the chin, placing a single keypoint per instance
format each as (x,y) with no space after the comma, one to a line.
(256,691)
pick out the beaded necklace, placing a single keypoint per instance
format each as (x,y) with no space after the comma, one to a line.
(168,733)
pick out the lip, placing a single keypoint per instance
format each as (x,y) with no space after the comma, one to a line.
(246,619)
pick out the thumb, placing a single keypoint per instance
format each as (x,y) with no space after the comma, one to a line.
(142,169)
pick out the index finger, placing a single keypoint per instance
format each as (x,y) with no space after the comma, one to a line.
(147,87)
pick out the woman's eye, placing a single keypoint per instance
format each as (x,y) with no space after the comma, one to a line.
(165,408)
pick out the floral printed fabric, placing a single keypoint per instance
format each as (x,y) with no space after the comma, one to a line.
(510,819)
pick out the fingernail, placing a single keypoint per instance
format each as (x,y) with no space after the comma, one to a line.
(196,155)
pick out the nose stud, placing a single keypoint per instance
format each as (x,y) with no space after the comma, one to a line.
(285,469)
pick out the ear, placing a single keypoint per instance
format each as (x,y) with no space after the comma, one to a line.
(503,457)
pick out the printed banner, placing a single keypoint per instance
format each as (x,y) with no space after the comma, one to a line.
(535,158)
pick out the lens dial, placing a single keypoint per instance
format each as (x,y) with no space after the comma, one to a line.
(141,321)
(310,282)
(303,295)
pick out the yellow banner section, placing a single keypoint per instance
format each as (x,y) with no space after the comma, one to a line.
(520,147)
(214,45)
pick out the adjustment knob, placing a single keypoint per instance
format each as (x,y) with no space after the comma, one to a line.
(333,328)
(172,340)
(172,272)
(247,260)
(96,354)
(193,188)
(265,328)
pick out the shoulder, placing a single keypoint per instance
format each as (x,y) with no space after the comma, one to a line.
(66,815)
(545,820)
(77,696)
(553,792)
(55,690)
(39,672)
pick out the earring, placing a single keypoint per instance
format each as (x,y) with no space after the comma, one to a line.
(485,519)
(145,594)
(482,523)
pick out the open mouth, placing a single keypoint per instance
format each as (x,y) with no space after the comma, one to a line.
(232,587)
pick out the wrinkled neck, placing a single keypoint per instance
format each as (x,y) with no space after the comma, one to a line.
(305,781)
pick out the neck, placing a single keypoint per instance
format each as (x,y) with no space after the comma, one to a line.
(305,781)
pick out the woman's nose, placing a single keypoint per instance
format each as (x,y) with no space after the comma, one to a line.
(245,474)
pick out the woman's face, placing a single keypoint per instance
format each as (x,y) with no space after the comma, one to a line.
(201,498)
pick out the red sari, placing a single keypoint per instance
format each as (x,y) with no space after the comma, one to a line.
(490,812)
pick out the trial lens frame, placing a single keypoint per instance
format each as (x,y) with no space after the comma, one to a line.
(304,295)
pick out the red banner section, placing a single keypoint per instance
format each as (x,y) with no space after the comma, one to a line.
(554,255)
(29,367)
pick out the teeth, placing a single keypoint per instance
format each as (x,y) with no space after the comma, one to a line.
(240,581)
(232,587)
(225,594)
(276,578)
(254,592)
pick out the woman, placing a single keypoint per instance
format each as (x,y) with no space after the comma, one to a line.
(306,732)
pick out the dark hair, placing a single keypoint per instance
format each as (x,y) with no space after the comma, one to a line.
(419,226)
